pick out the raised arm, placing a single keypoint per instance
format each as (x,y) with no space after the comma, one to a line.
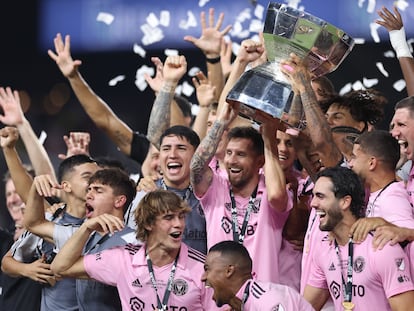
(34,218)
(205,92)
(69,260)
(316,123)
(173,70)
(201,174)
(275,177)
(96,108)
(210,43)
(394,24)
(76,143)
(13,116)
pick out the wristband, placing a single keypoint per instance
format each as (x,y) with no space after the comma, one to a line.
(214,60)
(399,43)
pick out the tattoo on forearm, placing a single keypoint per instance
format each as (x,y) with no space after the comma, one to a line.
(205,152)
(159,119)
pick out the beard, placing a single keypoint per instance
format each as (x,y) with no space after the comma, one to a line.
(333,217)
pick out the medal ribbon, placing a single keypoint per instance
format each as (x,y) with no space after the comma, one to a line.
(236,236)
(347,287)
(162,306)
(245,296)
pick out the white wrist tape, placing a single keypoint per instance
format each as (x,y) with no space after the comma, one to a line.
(399,43)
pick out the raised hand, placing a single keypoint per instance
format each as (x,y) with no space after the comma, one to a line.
(205,91)
(62,56)
(156,82)
(10,103)
(76,143)
(211,36)
(174,69)
(389,20)
(46,186)
(250,51)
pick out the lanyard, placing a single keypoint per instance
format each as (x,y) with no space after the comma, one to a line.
(236,236)
(245,296)
(162,306)
(348,285)
(375,200)
(186,196)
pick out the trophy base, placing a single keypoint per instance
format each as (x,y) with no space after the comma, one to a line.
(261,97)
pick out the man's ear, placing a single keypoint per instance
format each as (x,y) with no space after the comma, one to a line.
(346,202)
(120,201)
(66,186)
(230,270)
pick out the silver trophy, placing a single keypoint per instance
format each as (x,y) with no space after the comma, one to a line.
(264,91)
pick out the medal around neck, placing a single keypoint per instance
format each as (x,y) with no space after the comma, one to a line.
(348,305)
(264,91)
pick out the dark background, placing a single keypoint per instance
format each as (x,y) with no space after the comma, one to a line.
(27,67)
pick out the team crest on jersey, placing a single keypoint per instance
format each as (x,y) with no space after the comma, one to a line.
(136,304)
(400,264)
(180,287)
(278,307)
(359,264)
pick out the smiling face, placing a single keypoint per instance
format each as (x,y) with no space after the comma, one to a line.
(167,231)
(242,163)
(402,129)
(15,206)
(216,276)
(175,156)
(287,153)
(326,204)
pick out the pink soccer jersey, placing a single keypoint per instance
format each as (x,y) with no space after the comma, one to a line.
(377,275)
(410,185)
(264,230)
(126,268)
(263,296)
(392,204)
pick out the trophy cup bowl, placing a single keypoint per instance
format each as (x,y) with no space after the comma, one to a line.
(264,91)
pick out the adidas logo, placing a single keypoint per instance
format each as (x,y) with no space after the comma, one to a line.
(332,267)
(136,283)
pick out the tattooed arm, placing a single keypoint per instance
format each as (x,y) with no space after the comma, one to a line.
(201,175)
(174,68)
(319,130)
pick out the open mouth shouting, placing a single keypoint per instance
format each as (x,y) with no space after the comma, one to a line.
(89,210)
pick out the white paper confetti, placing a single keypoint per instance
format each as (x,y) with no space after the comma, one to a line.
(188,89)
(235,47)
(258,11)
(359,40)
(371,6)
(115,80)
(244,15)
(151,35)
(170,52)
(256,25)
(202,3)
(401,4)
(190,22)
(381,68)
(152,20)
(368,83)
(357,85)
(293,3)
(195,109)
(399,85)
(389,54)
(106,18)
(374,32)
(141,84)
(345,89)
(42,137)
(178,89)
(193,71)
(165,18)
(139,76)
(139,50)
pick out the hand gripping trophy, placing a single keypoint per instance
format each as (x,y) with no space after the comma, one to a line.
(264,90)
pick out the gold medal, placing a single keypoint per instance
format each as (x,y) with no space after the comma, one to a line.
(348,305)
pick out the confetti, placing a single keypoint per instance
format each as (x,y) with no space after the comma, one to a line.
(187,89)
(190,22)
(42,137)
(368,83)
(202,3)
(399,85)
(380,67)
(374,32)
(115,80)
(193,71)
(106,18)
(165,18)
(170,52)
(139,50)
(152,20)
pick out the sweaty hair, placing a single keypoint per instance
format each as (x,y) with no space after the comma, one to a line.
(248,132)
(68,165)
(235,252)
(346,182)
(182,132)
(153,204)
(118,180)
(363,105)
(407,103)
(381,145)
